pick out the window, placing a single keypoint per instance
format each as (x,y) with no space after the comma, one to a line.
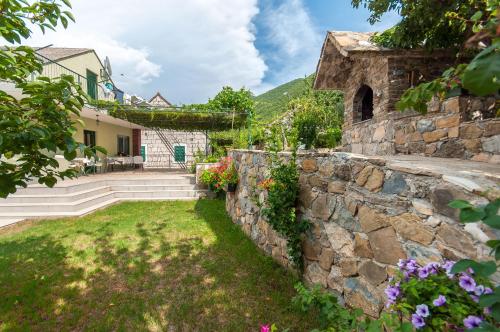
(363,104)
(180,153)
(92,84)
(89,138)
(123,145)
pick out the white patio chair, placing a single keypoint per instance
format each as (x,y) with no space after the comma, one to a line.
(138,161)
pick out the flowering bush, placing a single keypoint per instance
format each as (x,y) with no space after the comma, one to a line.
(219,176)
(436,299)
(266,184)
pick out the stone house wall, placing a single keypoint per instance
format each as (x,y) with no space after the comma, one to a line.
(158,156)
(365,213)
(448,130)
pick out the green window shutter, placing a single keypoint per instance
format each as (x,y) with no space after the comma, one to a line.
(92,85)
(143,152)
(180,154)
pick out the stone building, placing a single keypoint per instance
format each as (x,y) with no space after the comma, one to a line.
(373,79)
(164,148)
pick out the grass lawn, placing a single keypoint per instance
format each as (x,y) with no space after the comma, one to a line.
(146,266)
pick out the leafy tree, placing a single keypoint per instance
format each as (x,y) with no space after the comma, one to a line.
(230,99)
(40,123)
(459,24)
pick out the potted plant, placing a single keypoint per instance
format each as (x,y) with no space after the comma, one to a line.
(230,177)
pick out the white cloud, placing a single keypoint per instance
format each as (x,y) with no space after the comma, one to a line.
(294,38)
(186,49)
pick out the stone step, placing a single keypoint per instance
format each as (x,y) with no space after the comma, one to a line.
(53,197)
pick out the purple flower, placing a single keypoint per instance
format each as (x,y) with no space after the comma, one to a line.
(411,266)
(441,300)
(488,290)
(467,283)
(475,298)
(392,292)
(423,272)
(432,267)
(417,321)
(448,265)
(422,310)
(479,290)
(402,264)
(472,322)
(487,311)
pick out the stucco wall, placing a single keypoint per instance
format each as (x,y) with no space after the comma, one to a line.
(366,213)
(106,134)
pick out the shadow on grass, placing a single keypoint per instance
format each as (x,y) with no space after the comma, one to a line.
(204,277)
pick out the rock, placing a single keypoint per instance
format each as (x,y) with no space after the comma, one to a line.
(343,171)
(311,249)
(400,137)
(422,254)
(340,239)
(309,165)
(449,121)
(395,184)
(425,125)
(492,128)
(470,131)
(434,136)
(362,247)
(326,258)
(327,168)
(441,196)
(307,196)
(375,180)
(467,184)
(472,145)
(359,294)
(352,206)
(449,253)
(335,280)
(316,275)
(456,239)
(453,132)
(316,181)
(422,207)
(433,221)
(379,134)
(415,137)
(450,149)
(430,149)
(386,247)
(451,105)
(363,175)
(374,273)
(491,144)
(481,157)
(409,226)
(416,147)
(476,232)
(348,267)
(323,206)
(370,219)
(344,218)
(336,186)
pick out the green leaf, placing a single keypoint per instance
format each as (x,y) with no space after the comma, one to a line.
(483,269)
(488,300)
(460,204)
(495,312)
(477,16)
(472,214)
(482,75)
(70,155)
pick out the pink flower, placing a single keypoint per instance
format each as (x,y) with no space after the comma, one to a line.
(265,328)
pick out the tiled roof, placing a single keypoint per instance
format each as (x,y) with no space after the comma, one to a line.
(349,41)
(59,53)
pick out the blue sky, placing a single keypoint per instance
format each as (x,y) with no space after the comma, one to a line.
(189,49)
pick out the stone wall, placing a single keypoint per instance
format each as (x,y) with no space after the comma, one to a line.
(367,213)
(460,127)
(158,156)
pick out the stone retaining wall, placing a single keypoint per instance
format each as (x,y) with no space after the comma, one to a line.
(460,127)
(366,214)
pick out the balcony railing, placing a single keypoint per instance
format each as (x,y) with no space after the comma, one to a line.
(53,69)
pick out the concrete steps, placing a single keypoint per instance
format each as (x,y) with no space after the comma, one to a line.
(76,198)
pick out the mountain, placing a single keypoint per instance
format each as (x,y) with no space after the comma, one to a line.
(273,103)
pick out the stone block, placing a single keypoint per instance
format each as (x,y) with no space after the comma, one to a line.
(309,165)
(470,130)
(316,275)
(395,184)
(451,105)
(311,249)
(371,219)
(340,239)
(335,280)
(337,186)
(323,206)
(430,149)
(448,122)
(386,247)
(364,175)
(441,196)
(456,239)
(434,136)
(450,149)
(375,180)
(316,181)
(375,274)
(342,171)
(453,132)
(400,137)
(379,134)
(326,258)
(362,247)
(410,227)
(422,254)
(348,267)
(492,128)
(327,168)
(359,294)
(472,145)
(415,137)
(425,125)
(422,207)
(491,144)
(481,157)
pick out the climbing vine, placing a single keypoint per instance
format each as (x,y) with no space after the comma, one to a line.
(280,211)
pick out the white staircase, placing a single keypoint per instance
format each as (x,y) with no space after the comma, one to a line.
(81,196)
